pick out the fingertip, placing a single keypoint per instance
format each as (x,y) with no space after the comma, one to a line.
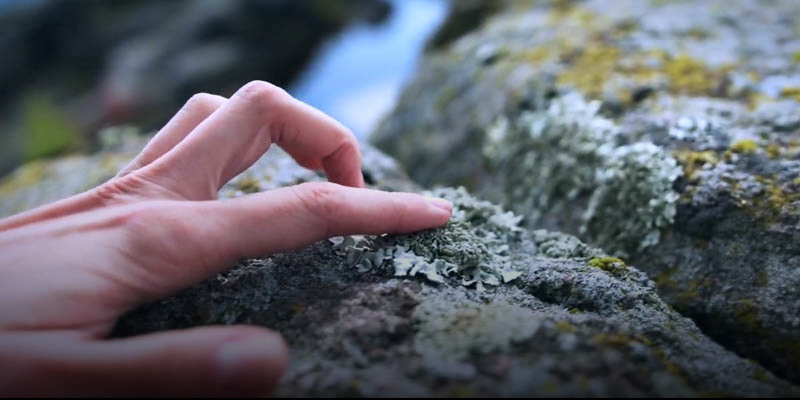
(442,211)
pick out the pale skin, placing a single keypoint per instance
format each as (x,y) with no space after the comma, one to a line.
(69,270)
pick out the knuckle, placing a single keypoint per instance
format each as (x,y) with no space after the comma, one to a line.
(202,101)
(323,200)
(263,95)
(150,223)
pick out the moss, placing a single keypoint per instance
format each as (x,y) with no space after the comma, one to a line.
(446,97)
(566,327)
(796,56)
(763,278)
(745,146)
(664,278)
(615,340)
(575,310)
(48,130)
(746,314)
(609,264)
(691,291)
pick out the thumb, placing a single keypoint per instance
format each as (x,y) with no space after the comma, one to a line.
(216,361)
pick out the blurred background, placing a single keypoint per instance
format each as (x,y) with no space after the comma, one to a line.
(73,67)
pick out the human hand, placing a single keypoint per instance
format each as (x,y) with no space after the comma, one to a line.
(70,269)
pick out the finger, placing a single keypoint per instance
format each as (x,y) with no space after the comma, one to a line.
(291,218)
(211,361)
(238,134)
(195,111)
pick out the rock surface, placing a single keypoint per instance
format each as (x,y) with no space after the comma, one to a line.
(667,133)
(366,317)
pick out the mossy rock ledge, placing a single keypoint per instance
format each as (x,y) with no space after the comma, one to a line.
(665,132)
(481,306)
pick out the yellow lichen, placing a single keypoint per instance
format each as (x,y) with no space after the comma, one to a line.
(689,76)
(591,70)
(535,55)
(610,264)
(248,185)
(773,151)
(692,161)
(25,176)
(791,93)
(745,146)
(566,327)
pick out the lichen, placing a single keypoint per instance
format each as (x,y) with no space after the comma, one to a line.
(745,146)
(608,264)
(473,248)
(571,151)
(453,327)
(688,75)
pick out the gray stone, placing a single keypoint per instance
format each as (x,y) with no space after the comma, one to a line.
(665,133)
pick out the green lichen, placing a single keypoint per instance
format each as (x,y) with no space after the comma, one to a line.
(472,248)
(746,313)
(569,152)
(453,327)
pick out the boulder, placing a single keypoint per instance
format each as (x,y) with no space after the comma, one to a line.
(481,306)
(666,133)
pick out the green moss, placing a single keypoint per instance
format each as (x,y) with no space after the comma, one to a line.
(746,314)
(446,97)
(796,56)
(609,264)
(745,146)
(48,130)
(615,340)
(664,278)
(566,327)
(763,278)
(691,291)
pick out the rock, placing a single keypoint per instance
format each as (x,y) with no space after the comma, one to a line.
(574,322)
(520,312)
(663,132)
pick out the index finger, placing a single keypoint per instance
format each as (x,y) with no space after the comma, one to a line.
(240,132)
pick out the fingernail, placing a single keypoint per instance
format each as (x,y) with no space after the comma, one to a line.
(252,365)
(440,203)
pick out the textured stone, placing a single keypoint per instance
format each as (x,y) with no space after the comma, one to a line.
(663,132)
(574,322)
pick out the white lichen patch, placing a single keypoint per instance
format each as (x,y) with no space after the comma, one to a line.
(472,249)
(453,327)
(570,152)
